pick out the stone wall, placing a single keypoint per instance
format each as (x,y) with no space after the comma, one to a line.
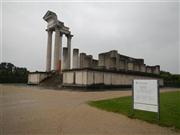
(88,77)
(116,61)
(37,77)
(112,60)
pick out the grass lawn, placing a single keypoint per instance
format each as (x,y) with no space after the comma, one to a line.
(169,109)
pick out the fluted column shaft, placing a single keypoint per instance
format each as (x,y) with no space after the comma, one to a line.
(49,50)
(57,50)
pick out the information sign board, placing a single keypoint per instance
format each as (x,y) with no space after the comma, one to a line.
(146,95)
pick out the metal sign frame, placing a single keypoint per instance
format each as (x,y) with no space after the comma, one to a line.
(158,98)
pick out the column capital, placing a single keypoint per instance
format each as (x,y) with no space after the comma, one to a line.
(69,35)
(49,30)
(57,29)
(61,34)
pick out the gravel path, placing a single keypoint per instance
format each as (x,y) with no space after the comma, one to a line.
(32,110)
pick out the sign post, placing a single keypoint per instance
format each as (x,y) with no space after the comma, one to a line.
(145,96)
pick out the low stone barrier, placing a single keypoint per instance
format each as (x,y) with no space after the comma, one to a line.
(87,77)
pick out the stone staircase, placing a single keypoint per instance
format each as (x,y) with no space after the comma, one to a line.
(53,81)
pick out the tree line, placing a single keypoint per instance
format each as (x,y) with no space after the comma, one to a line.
(12,74)
(170,80)
(9,73)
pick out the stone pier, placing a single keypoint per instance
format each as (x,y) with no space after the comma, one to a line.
(82,60)
(156,69)
(130,66)
(94,63)
(75,58)
(148,69)
(101,61)
(112,59)
(112,64)
(143,68)
(136,67)
(122,64)
(88,61)
(65,58)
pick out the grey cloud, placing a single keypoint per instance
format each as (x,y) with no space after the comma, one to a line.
(145,30)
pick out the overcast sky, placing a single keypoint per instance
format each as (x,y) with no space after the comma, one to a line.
(148,30)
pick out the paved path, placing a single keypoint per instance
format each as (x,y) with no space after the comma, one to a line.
(27,110)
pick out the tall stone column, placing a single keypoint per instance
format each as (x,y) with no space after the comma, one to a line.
(57,50)
(49,50)
(69,51)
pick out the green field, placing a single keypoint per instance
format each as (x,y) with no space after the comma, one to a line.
(169,109)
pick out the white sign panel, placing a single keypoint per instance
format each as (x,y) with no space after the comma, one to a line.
(145,95)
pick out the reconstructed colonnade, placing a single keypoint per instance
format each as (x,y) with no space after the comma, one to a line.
(54,25)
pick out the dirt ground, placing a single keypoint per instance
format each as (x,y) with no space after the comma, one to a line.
(32,110)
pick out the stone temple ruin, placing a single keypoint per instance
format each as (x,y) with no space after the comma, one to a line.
(112,60)
(111,69)
(53,24)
